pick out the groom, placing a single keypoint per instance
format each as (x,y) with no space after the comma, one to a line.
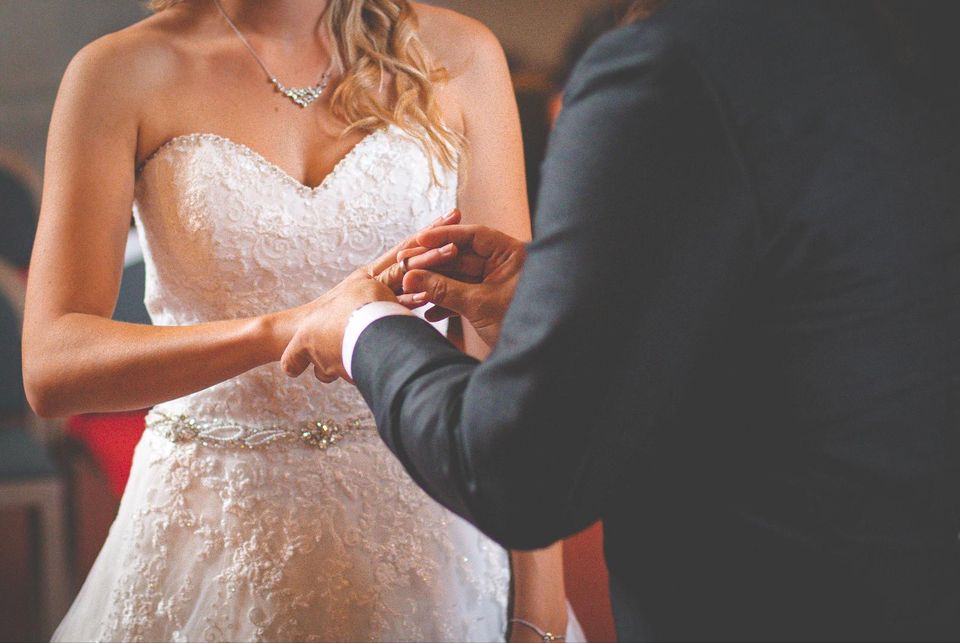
(735,337)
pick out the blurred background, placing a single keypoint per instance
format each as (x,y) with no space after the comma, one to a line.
(60,482)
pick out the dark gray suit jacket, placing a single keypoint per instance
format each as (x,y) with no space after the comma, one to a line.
(735,340)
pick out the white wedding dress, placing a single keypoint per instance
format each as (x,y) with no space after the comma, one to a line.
(266,508)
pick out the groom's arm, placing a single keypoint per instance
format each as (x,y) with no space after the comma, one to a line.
(636,251)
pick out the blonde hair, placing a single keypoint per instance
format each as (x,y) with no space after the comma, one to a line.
(374,40)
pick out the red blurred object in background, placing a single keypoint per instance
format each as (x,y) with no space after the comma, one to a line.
(110,439)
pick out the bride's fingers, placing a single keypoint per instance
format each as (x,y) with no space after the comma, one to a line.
(409,253)
(433,314)
(391,256)
(412,301)
(324,376)
(451,218)
(432,258)
(392,277)
(386,259)
(295,359)
(425,257)
(406,248)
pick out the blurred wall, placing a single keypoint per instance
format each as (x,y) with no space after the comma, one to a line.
(533,31)
(38,38)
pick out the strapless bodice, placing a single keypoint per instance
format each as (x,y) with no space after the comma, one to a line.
(227,234)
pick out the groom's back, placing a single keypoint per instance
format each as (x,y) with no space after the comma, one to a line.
(810,487)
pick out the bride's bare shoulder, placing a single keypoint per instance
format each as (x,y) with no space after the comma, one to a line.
(462,45)
(135,59)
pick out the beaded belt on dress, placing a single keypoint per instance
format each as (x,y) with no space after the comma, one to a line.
(320,434)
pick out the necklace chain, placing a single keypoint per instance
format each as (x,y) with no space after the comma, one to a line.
(302,96)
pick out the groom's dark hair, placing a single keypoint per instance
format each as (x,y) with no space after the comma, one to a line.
(921,38)
(595,24)
(917,39)
(639,9)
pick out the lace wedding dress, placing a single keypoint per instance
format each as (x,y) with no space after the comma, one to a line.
(266,508)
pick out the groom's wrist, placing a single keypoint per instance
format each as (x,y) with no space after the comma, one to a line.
(358,322)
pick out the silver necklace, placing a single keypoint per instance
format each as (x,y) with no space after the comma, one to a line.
(302,96)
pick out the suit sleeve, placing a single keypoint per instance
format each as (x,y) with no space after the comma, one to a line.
(635,252)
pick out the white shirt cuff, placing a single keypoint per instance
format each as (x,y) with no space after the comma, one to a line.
(358,322)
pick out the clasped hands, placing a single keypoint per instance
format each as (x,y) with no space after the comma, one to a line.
(465,270)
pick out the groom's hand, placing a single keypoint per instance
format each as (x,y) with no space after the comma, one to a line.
(477,282)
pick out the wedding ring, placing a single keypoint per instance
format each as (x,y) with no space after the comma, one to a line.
(404,265)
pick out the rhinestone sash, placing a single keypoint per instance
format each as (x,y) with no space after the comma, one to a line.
(320,434)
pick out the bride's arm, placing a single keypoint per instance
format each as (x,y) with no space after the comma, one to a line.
(76,359)
(494,194)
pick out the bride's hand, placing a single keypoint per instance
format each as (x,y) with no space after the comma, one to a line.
(318,337)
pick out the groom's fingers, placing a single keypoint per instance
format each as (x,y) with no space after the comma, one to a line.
(438,313)
(478,239)
(439,290)
(462,235)
(467,267)
(463,267)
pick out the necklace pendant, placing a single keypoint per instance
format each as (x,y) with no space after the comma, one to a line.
(302,96)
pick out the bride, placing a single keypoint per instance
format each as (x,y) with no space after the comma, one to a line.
(268,148)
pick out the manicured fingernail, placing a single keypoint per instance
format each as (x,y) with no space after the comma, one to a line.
(446,217)
(420,298)
(447,250)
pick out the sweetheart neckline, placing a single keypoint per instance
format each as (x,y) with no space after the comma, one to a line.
(263,160)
